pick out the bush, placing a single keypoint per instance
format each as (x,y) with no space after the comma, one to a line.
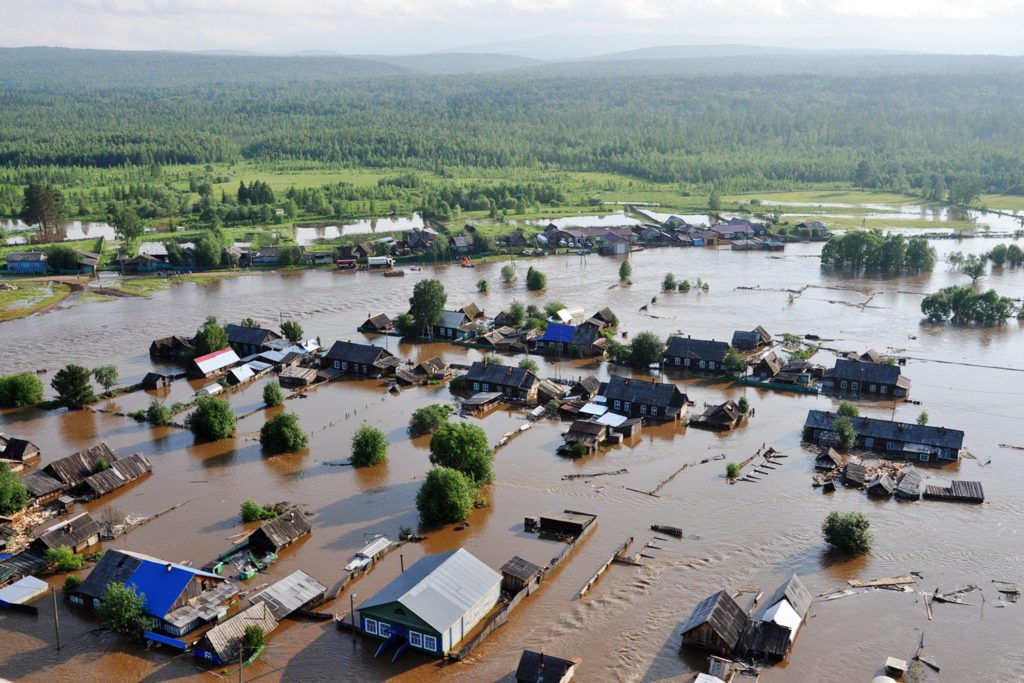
(211,420)
(684,286)
(282,434)
(922,419)
(732,470)
(848,532)
(369,447)
(743,404)
(64,559)
(529,364)
(106,376)
(482,286)
(71,583)
(847,409)
(20,390)
(73,386)
(445,496)
(493,359)
(625,270)
(157,413)
(669,283)
(405,325)
(553,307)
(734,362)
(645,349)
(427,419)
(122,609)
(13,495)
(253,639)
(535,280)
(272,395)
(508,273)
(254,512)
(463,447)
(843,428)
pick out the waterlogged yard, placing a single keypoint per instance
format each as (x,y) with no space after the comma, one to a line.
(25,298)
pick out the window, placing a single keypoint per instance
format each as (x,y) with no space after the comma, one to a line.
(873,388)
(677,359)
(947,455)
(384,630)
(618,404)
(925,457)
(686,362)
(869,442)
(703,364)
(430,643)
(654,410)
(627,406)
(476,386)
(855,386)
(643,409)
(337,365)
(486,386)
(885,389)
(843,384)
(415,639)
(370,626)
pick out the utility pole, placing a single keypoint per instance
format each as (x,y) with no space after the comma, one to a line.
(241,659)
(352,611)
(401,558)
(56,618)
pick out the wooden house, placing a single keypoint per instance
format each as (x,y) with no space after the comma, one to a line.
(715,625)
(751,340)
(67,474)
(154,381)
(908,486)
(586,433)
(586,388)
(297,377)
(18,454)
(958,491)
(212,364)
(78,533)
(538,667)
(222,644)
(549,390)
(452,325)
(865,378)
(249,341)
(278,533)
(462,244)
(695,355)
(901,440)
(854,474)
(767,367)
(379,324)
(120,473)
(564,523)
(773,628)
(518,384)
(175,347)
(517,574)
(721,417)
(655,401)
(295,592)
(829,459)
(364,360)
(799,373)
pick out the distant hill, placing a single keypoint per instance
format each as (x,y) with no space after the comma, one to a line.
(729,50)
(456,62)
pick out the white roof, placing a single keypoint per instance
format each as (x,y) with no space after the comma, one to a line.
(611,419)
(210,390)
(23,591)
(783,614)
(218,360)
(593,409)
(257,366)
(153,248)
(242,373)
(707,678)
(375,546)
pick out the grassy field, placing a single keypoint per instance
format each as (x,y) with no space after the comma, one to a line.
(30,297)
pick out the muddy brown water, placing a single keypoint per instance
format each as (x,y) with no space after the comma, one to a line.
(627,627)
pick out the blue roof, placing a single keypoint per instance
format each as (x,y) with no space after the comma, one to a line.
(162,584)
(557,332)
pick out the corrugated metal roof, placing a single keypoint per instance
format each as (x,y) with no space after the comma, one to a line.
(290,593)
(439,589)
(224,638)
(218,360)
(162,583)
(23,591)
(558,333)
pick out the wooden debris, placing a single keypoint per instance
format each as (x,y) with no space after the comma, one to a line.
(604,567)
(595,474)
(887,581)
(668,530)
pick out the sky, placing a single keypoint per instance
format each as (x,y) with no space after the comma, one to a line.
(552,29)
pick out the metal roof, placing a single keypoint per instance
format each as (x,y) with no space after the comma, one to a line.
(696,349)
(162,583)
(641,391)
(439,589)
(23,591)
(218,360)
(453,319)
(558,333)
(865,371)
(254,336)
(241,373)
(290,594)
(501,375)
(364,354)
(224,638)
(519,568)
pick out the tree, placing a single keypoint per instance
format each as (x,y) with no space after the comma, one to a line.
(43,205)
(127,224)
(552,308)
(13,495)
(998,255)
(965,306)
(427,304)
(517,313)
(106,376)
(63,559)
(463,447)
(252,511)
(291,255)
(73,387)
(847,532)
(845,433)
(734,361)
(208,250)
(732,471)
(405,325)
(974,268)
(865,175)
(369,447)
(428,419)
(253,639)
(123,610)
(920,256)
(211,420)
(625,270)
(743,404)
(157,413)
(61,257)
(482,286)
(1014,256)
(292,331)
(922,419)
(847,409)
(71,584)
(212,336)
(250,323)
(645,349)
(20,390)
(508,273)
(272,394)
(282,434)
(535,280)
(714,201)
(529,364)
(669,283)
(445,496)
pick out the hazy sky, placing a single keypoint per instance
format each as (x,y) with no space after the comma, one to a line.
(592,26)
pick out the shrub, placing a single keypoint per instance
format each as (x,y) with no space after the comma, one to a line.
(684,286)
(272,394)
(64,559)
(552,406)
(734,362)
(645,349)
(482,286)
(922,419)
(535,280)
(369,447)
(106,376)
(625,270)
(427,419)
(254,512)
(405,325)
(463,447)
(253,639)
(508,273)
(743,404)
(71,583)
(445,496)
(553,307)
(211,420)
(282,434)
(529,364)
(843,428)
(669,283)
(73,386)
(732,470)
(20,390)
(122,609)
(13,495)
(157,413)
(494,359)
(847,532)
(847,409)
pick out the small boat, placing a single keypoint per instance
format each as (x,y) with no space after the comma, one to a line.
(398,272)
(416,268)
(467,262)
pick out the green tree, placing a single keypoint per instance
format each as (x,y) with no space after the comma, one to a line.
(508,273)
(645,349)
(974,268)
(482,286)
(369,447)
(71,584)
(714,201)
(43,205)
(253,639)
(743,404)
(463,447)
(998,255)
(517,313)
(211,420)
(252,511)
(157,413)
(291,255)
(292,331)
(535,280)
(427,304)
(13,496)
(272,394)
(865,175)
(847,532)
(61,257)
(428,419)
(282,434)
(127,224)
(63,559)
(106,376)
(922,419)
(920,256)
(212,336)
(123,610)
(208,250)
(73,386)
(732,471)
(734,361)
(625,271)
(20,390)
(551,308)
(1014,256)
(250,323)
(529,364)
(405,325)
(845,433)
(446,496)
(668,284)
(966,306)
(847,409)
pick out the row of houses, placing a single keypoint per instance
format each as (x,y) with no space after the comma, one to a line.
(88,473)
(37,263)
(902,440)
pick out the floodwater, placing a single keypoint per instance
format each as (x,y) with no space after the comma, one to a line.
(610,220)
(627,627)
(307,236)
(903,212)
(72,230)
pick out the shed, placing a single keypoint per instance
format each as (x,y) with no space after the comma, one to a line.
(909,485)
(517,573)
(828,459)
(566,522)
(240,375)
(854,474)
(722,417)
(296,591)
(23,591)
(377,323)
(154,380)
(222,643)
(297,377)
(792,591)
(174,347)
(882,487)
(957,491)
(482,401)
(77,533)
(537,667)
(280,532)
(212,363)
(715,624)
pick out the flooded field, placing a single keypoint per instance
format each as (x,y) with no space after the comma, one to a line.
(307,236)
(627,627)
(72,230)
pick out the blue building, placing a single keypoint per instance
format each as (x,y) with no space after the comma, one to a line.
(27,262)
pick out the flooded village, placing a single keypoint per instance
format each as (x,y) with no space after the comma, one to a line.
(646,522)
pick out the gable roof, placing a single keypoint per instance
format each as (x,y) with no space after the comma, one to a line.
(41,483)
(70,532)
(501,375)
(285,528)
(224,638)
(218,360)
(378,322)
(641,391)
(696,349)
(517,567)
(26,256)
(252,336)
(18,449)
(452,319)
(290,593)
(119,474)
(364,354)
(558,333)
(887,430)
(75,468)
(472,311)
(537,667)
(865,371)
(589,384)
(726,618)
(439,589)
(795,592)
(771,362)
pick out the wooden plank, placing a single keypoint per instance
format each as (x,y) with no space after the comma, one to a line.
(887,581)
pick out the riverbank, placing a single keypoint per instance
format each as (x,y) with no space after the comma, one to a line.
(29,297)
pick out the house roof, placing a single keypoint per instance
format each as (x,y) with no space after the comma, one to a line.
(887,430)
(364,354)
(218,360)
(252,336)
(70,532)
(18,449)
(537,667)
(285,528)
(587,427)
(772,362)
(472,311)
(558,333)
(241,373)
(517,567)
(462,241)
(378,322)
(224,638)
(696,349)
(589,384)
(726,618)
(453,319)
(605,315)
(501,375)
(119,473)
(792,590)
(750,339)
(75,468)
(153,249)
(41,483)
(439,589)
(26,256)
(290,594)
(723,412)
(865,371)
(640,391)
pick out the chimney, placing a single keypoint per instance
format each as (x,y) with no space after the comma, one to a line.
(169,567)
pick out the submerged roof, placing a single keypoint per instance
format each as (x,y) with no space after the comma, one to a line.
(537,667)
(721,612)
(697,349)
(290,594)
(792,591)
(439,589)
(887,430)
(224,638)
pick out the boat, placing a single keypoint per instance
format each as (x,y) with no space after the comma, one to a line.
(467,262)
(398,272)
(368,554)
(416,268)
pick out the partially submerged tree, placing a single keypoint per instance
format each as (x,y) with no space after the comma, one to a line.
(847,409)
(369,447)
(123,610)
(529,364)
(427,304)
(106,376)
(73,386)
(20,390)
(847,532)
(252,511)
(292,331)
(428,419)
(734,361)
(283,434)
(508,273)
(845,432)
(157,413)
(625,271)
(445,496)
(535,280)
(272,394)
(253,639)
(211,420)
(463,447)
(63,559)
(13,496)
(645,349)
(212,336)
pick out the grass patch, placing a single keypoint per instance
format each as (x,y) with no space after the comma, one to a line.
(95,297)
(31,297)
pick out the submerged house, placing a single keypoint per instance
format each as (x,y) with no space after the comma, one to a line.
(174,347)
(249,341)
(722,417)
(865,378)
(294,592)
(380,324)
(18,453)
(902,440)
(433,605)
(222,644)
(751,340)
(212,364)
(651,400)
(78,533)
(517,384)
(178,599)
(770,633)
(275,534)
(537,667)
(120,473)
(767,368)
(715,625)
(367,360)
(68,473)
(453,325)
(695,355)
